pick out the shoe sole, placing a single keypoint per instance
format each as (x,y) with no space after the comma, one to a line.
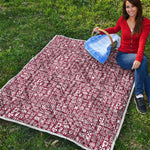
(138,109)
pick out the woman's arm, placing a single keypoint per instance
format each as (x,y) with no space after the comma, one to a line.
(143,38)
(112,30)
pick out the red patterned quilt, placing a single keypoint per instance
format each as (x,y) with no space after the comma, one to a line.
(65,92)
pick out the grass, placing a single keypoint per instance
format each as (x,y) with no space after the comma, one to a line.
(26,26)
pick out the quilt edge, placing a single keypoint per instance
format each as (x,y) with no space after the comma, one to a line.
(124,114)
(27,63)
(36,56)
(42,130)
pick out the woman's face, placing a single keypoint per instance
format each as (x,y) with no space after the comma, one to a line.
(131,9)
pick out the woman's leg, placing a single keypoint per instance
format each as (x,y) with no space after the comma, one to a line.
(142,79)
(140,76)
(125,60)
(146,80)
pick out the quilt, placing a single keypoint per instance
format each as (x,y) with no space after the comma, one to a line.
(65,92)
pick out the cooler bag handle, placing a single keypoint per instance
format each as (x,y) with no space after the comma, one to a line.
(106,34)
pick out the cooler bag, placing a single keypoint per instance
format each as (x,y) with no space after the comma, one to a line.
(100,46)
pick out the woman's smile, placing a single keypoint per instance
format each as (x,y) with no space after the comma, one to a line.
(131,9)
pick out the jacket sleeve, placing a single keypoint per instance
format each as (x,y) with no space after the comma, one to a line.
(142,40)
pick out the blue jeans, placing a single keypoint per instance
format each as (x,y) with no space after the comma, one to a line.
(142,79)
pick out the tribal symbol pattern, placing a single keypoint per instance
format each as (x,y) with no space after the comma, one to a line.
(65,92)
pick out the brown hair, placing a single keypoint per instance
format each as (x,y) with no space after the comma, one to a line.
(139,17)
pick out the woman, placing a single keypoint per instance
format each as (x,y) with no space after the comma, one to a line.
(135,29)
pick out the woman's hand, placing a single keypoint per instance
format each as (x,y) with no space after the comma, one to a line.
(136,64)
(96,29)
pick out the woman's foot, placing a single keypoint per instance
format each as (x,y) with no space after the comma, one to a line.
(140,104)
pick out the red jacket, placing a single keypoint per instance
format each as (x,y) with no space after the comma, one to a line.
(131,43)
